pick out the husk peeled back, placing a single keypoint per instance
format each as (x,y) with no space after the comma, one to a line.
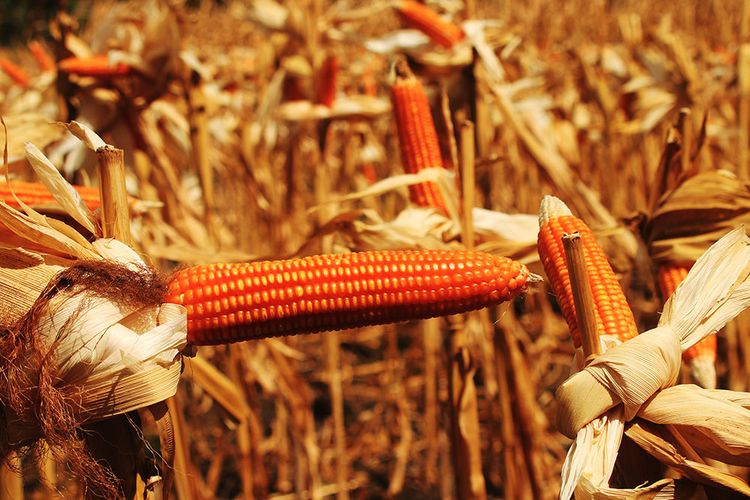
(641,374)
(84,334)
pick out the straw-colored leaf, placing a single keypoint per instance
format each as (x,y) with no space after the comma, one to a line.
(86,135)
(61,190)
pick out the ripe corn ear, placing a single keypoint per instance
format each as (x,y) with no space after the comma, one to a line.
(93,66)
(426,20)
(613,315)
(326,89)
(42,57)
(35,194)
(243,301)
(14,72)
(417,136)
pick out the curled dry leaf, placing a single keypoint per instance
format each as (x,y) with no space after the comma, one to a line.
(696,214)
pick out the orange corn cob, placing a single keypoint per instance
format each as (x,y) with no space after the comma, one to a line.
(417,136)
(43,59)
(326,90)
(234,302)
(426,20)
(670,277)
(15,72)
(34,194)
(613,315)
(93,66)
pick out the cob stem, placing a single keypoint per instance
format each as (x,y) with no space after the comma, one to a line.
(582,297)
(114,196)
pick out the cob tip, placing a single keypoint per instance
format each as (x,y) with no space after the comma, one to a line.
(551,208)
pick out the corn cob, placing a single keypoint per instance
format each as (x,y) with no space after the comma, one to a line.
(426,20)
(93,66)
(613,315)
(417,136)
(15,72)
(701,357)
(234,302)
(326,90)
(35,194)
(42,57)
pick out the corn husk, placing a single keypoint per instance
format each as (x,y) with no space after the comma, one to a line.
(641,374)
(28,127)
(109,354)
(696,214)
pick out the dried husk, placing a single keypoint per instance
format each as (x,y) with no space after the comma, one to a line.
(511,235)
(84,333)
(641,374)
(694,215)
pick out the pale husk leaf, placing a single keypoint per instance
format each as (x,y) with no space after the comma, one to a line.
(39,234)
(86,135)
(61,190)
(641,371)
(23,276)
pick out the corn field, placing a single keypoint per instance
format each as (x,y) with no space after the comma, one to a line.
(390,249)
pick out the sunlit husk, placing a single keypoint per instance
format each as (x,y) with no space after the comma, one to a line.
(109,357)
(641,374)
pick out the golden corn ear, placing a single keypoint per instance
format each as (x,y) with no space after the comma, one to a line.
(234,302)
(613,315)
(426,20)
(35,194)
(670,277)
(416,134)
(14,72)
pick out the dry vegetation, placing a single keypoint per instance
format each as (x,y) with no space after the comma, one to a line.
(231,160)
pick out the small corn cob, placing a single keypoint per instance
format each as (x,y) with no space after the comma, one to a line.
(326,89)
(15,72)
(701,357)
(426,20)
(234,302)
(613,315)
(42,57)
(417,136)
(36,194)
(93,66)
